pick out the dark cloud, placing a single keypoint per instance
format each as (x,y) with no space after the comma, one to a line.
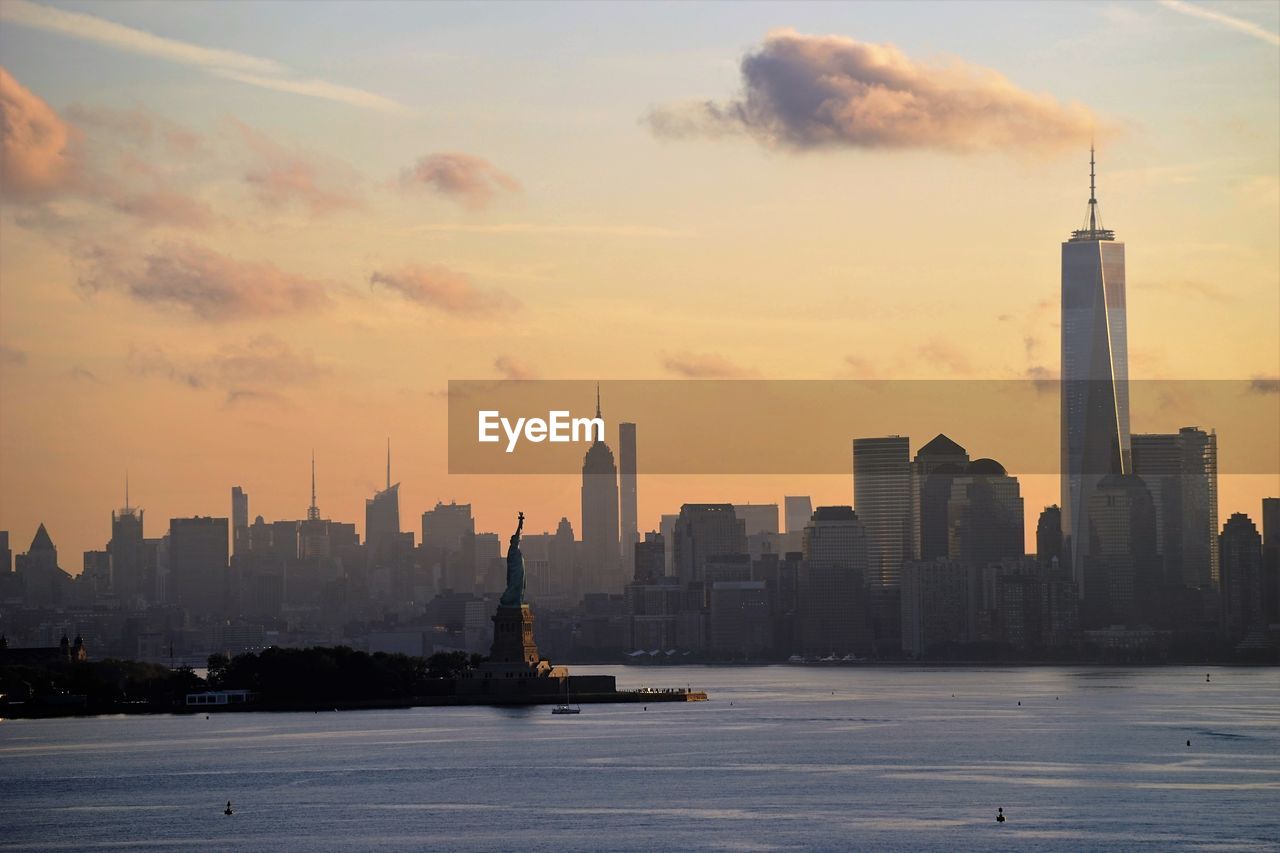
(83,374)
(803,92)
(469,180)
(693,365)
(444,289)
(1264,385)
(165,208)
(1190,287)
(513,368)
(12,356)
(201,283)
(1043,379)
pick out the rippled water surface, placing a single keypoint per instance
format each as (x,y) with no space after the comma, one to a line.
(782,757)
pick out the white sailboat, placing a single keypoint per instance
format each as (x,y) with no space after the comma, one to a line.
(565,707)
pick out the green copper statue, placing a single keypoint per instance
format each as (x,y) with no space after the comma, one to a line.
(514,595)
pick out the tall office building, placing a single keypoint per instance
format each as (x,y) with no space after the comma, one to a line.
(600,554)
(758,518)
(1095,375)
(1049,535)
(984,512)
(448,536)
(882,498)
(1270,557)
(6,554)
(627,493)
(797,510)
(1181,472)
(197,563)
(834,613)
(239,520)
(132,579)
(703,532)
(1121,563)
(382,520)
(931,473)
(1242,577)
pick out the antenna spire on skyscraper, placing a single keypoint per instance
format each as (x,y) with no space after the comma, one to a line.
(388,462)
(1093,229)
(126,490)
(313,511)
(597,399)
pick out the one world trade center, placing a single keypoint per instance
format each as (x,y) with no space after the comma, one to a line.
(1095,375)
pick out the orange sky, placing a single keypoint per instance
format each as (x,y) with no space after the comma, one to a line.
(252,235)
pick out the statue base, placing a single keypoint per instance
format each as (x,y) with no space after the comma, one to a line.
(513,637)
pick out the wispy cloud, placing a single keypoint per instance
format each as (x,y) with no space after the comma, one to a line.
(1240,25)
(692,365)
(446,290)
(230,64)
(513,368)
(547,228)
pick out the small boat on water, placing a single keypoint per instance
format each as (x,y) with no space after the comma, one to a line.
(565,707)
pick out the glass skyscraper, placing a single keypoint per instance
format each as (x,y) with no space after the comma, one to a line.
(1095,375)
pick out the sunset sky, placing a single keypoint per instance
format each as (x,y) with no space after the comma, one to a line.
(233,233)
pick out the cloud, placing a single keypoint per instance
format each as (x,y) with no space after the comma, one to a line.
(942,355)
(863,368)
(547,228)
(1043,379)
(469,180)
(36,157)
(1264,385)
(42,156)
(80,373)
(803,92)
(1238,24)
(204,284)
(513,368)
(165,207)
(439,287)
(12,356)
(281,177)
(1191,287)
(138,127)
(693,365)
(250,372)
(230,64)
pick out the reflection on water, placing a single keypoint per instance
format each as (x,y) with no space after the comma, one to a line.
(817,758)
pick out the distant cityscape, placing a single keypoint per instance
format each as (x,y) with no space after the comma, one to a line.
(928,564)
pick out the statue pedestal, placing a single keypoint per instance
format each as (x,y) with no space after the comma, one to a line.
(513,637)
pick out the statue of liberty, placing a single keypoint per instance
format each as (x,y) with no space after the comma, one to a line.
(514,594)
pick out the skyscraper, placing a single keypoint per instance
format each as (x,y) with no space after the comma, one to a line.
(198,563)
(882,498)
(702,532)
(797,510)
(1242,577)
(1095,374)
(131,579)
(931,473)
(600,565)
(1181,472)
(382,520)
(627,492)
(834,607)
(239,520)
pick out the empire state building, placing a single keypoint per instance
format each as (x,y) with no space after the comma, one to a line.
(1095,375)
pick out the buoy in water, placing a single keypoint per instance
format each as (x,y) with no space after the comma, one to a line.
(228,812)
(1000,815)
